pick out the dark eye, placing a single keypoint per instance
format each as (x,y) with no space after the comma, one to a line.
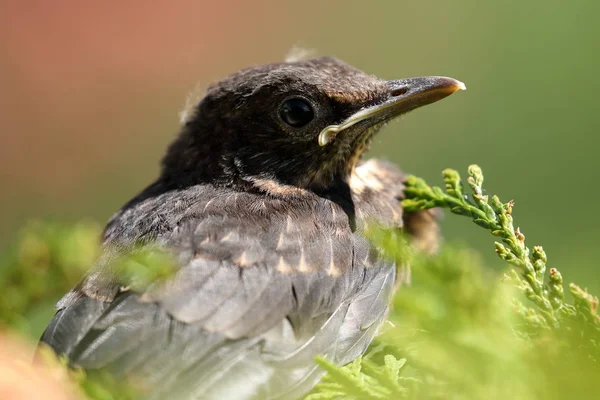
(296,112)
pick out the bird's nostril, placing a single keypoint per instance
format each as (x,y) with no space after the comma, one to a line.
(399,91)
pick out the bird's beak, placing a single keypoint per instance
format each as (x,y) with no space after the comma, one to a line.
(404,95)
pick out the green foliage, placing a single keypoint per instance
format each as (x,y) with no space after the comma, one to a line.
(378,383)
(50,259)
(144,266)
(545,292)
(467,333)
(47,261)
(103,386)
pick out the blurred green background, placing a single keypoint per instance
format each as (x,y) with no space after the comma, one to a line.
(91,92)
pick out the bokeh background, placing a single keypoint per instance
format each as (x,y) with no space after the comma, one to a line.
(90,95)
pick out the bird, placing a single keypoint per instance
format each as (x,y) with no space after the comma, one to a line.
(263,199)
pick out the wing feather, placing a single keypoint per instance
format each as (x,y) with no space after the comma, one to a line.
(263,288)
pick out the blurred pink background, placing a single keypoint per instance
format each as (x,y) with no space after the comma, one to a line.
(91,90)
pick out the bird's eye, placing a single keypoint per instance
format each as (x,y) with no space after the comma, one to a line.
(296,112)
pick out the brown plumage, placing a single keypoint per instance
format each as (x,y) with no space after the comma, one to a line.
(263,201)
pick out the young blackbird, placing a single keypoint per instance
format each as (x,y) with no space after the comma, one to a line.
(263,200)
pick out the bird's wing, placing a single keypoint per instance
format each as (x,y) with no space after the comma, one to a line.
(263,288)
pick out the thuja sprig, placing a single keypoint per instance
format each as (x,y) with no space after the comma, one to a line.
(380,382)
(546,293)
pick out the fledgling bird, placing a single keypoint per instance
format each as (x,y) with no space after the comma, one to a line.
(263,199)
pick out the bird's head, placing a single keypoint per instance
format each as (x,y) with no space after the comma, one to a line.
(303,123)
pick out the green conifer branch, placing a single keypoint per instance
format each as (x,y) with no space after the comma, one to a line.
(547,293)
